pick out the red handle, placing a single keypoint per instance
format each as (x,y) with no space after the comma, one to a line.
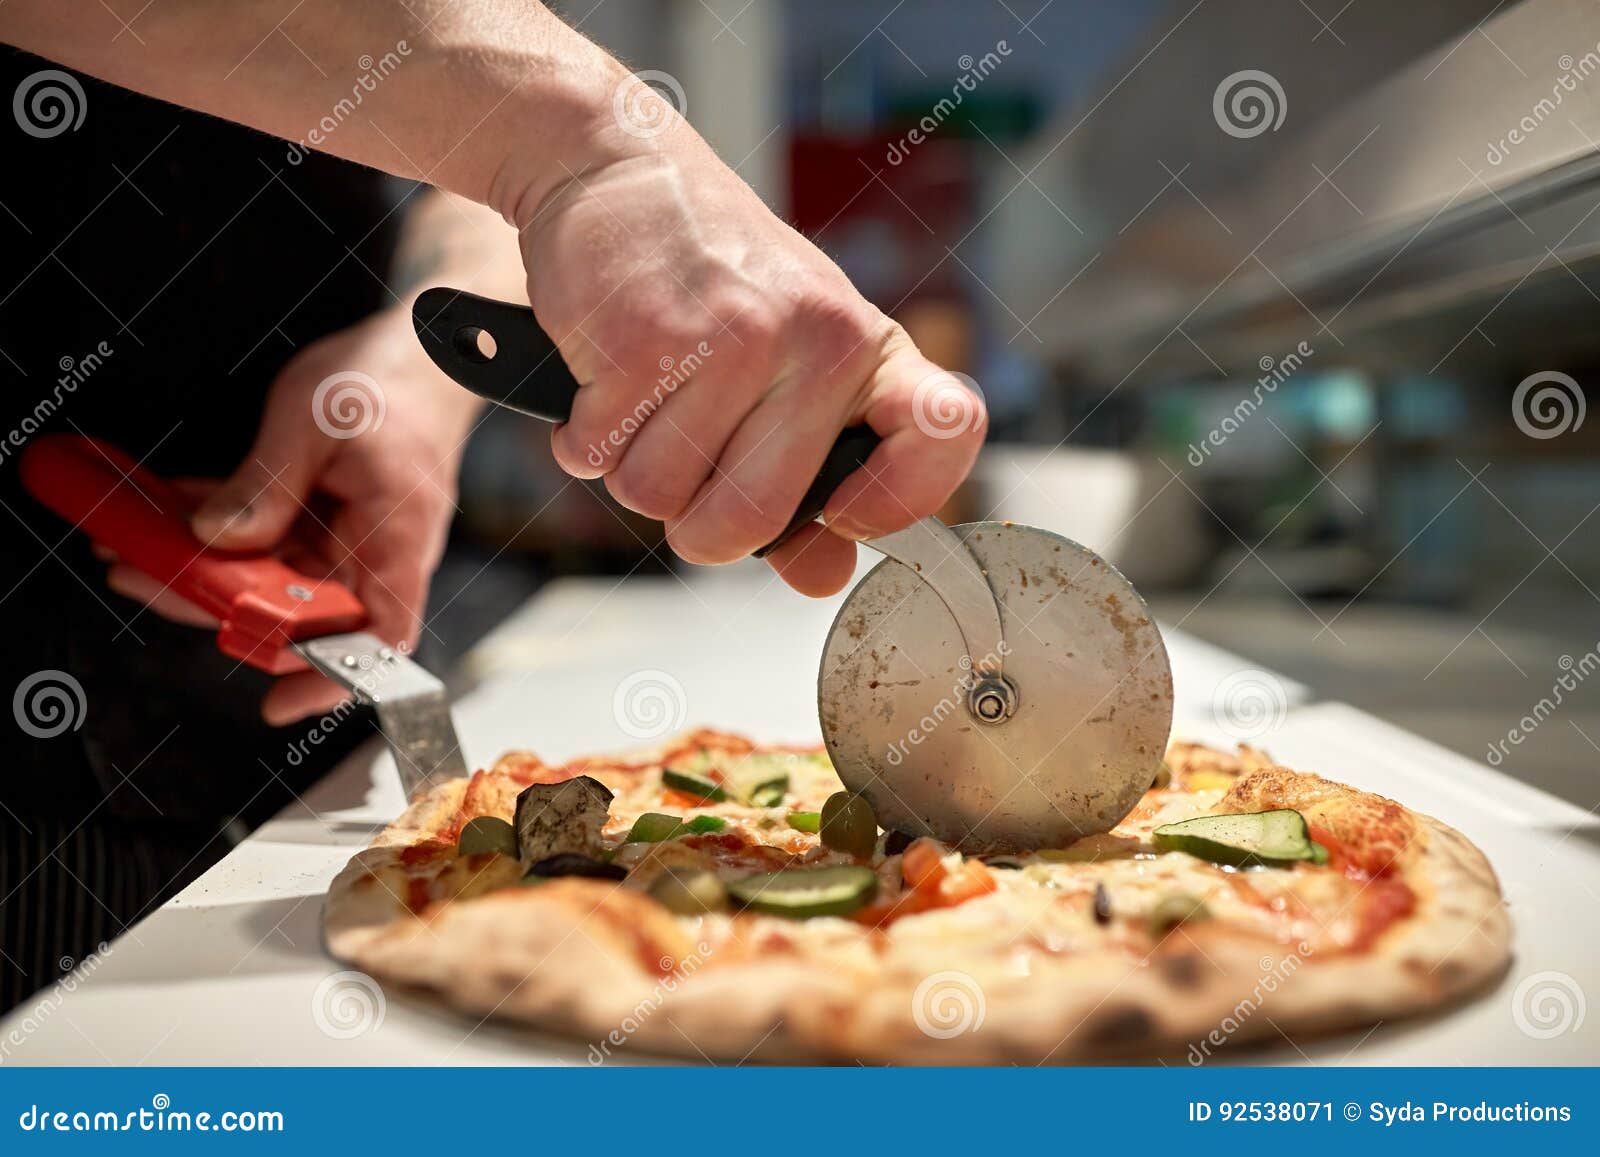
(263,604)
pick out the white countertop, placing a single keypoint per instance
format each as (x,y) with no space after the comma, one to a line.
(229,971)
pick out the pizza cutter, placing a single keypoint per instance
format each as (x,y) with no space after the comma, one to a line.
(997,686)
(273,617)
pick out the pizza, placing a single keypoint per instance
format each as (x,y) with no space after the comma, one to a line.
(723,900)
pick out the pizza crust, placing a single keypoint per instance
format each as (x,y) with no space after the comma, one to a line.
(612,968)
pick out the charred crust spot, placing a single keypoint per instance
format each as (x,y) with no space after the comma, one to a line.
(1180,969)
(1121,1025)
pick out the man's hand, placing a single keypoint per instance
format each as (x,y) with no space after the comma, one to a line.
(640,245)
(721,354)
(352,475)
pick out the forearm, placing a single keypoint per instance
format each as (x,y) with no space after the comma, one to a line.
(495,100)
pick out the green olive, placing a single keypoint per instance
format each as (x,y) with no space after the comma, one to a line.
(848,824)
(1178,908)
(690,891)
(487,834)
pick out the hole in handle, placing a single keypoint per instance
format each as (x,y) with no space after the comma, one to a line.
(475,344)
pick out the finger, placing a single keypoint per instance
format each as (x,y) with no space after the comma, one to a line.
(672,455)
(932,423)
(762,474)
(255,507)
(815,562)
(136,585)
(294,697)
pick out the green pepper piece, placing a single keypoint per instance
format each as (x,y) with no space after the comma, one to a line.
(704,825)
(806,821)
(653,827)
(801,893)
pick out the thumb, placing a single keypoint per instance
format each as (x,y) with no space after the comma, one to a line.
(259,502)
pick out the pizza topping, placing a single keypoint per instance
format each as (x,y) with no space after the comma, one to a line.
(693,784)
(1240,840)
(574,864)
(690,891)
(766,789)
(653,827)
(801,893)
(1101,906)
(487,834)
(1175,909)
(896,842)
(848,824)
(553,818)
(806,821)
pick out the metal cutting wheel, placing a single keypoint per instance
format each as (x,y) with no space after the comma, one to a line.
(994,685)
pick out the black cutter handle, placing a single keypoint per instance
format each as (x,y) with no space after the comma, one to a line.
(526,373)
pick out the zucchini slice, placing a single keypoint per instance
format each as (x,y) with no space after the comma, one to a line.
(690,783)
(801,893)
(1271,837)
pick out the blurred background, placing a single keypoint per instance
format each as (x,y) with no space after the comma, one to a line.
(1287,309)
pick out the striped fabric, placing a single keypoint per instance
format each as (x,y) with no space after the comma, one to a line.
(67,888)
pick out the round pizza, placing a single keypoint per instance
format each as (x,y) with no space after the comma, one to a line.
(728,901)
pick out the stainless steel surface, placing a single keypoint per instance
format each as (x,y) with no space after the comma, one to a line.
(413,712)
(1092,697)
(938,556)
(1391,191)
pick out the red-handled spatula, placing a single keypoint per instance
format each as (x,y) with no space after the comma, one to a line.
(273,617)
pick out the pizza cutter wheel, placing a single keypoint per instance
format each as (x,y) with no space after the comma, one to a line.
(997,686)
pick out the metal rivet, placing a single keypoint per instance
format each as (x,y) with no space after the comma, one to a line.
(348,661)
(296,591)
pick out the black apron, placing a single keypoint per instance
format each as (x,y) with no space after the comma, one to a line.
(160,266)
